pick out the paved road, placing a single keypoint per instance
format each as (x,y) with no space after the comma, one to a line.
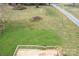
(67,14)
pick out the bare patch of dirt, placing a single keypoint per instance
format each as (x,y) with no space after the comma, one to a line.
(39,52)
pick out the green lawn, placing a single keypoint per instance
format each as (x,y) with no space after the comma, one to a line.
(53,30)
(27,36)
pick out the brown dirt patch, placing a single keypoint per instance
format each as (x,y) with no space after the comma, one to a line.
(38,52)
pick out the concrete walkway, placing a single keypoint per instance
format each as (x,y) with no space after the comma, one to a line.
(67,14)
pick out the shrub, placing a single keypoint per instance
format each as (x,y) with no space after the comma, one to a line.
(37,5)
(19,7)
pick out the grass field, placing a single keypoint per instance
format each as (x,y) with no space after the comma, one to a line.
(53,30)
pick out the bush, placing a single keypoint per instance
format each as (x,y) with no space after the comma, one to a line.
(19,7)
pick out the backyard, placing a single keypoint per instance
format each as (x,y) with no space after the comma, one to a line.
(53,29)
